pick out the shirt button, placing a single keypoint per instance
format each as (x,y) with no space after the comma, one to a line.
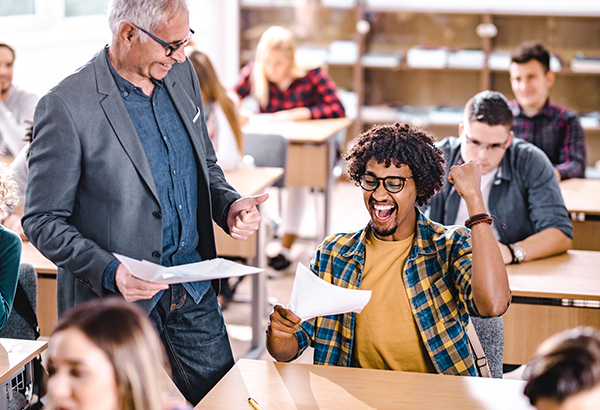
(182,244)
(125,93)
(180,207)
(156,255)
(174,172)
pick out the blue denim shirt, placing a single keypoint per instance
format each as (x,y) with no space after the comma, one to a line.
(171,158)
(525,194)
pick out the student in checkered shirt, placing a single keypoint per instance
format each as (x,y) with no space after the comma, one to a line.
(555,130)
(289,92)
(426,278)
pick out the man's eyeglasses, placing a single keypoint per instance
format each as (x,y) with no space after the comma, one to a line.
(171,48)
(391,184)
(497,147)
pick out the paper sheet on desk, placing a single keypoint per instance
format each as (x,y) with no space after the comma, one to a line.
(205,270)
(312,296)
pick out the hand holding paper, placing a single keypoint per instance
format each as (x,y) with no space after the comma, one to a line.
(312,296)
(205,270)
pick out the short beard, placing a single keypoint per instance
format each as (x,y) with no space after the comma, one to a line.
(381,234)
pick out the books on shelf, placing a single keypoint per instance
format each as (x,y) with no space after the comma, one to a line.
(590,120)
(583,64)
(382,59)
(499,60)
(342,52)
(474,59)
(427,57)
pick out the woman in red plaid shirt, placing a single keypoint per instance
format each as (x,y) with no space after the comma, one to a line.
(290,93)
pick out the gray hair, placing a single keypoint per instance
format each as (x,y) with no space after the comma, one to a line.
(144,13)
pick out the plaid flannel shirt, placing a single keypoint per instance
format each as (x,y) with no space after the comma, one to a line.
(556,131)
(316,91)
(437,278)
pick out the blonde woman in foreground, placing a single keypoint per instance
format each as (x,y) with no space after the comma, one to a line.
(105,354)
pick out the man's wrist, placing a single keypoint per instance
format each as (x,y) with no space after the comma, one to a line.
(517,253)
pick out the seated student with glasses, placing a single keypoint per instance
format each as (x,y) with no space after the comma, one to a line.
(518,183)
(426,278)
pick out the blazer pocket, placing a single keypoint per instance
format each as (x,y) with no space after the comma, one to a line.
(197,115)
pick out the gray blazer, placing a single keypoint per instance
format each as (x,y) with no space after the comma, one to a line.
(90,190)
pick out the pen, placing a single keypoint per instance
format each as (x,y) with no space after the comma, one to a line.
(253,403)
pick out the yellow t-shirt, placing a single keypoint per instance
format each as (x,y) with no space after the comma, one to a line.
(386,335)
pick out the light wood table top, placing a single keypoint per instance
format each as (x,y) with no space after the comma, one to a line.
(571,275)
(581,195)
(16,353)
(252,181)
(303,386)
(303,131)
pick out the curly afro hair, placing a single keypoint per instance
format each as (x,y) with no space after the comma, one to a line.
(400,143)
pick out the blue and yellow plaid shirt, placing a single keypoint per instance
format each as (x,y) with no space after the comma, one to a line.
(437,278)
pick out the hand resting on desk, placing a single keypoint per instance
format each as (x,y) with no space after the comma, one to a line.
(281,341)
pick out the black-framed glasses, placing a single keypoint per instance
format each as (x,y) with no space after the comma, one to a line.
(497,147)
(171,48)
(391,184)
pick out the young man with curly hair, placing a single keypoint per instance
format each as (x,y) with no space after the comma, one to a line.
(425,278)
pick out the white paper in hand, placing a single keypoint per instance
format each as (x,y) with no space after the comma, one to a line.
(312,296)
(206,270)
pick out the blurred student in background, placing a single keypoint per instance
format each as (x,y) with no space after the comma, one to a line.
(16,118)
(555,130)
(221,109)
(282,87)
(565,372)
(105,354)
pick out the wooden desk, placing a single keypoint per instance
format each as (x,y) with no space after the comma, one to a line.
(16,353)
(46,294)
(582,199)
(572,275)
(15,372)
(311,153)
(304,386)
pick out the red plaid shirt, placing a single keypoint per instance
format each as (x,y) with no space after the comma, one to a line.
(316,91)
(556,131)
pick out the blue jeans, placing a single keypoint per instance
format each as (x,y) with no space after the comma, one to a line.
(195,339)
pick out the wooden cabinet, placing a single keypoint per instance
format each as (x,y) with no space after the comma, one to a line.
(391,86)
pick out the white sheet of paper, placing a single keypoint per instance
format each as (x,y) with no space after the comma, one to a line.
(312,296)
(205,270)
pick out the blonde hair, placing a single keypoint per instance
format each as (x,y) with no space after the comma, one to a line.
(274,38)
(130,341)
(9,190)
(213,90)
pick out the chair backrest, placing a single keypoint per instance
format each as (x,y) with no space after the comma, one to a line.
(268,150)
(16,327)
(491,336)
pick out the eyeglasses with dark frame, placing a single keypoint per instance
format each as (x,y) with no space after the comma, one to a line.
(171,48)
(391,184)
(488,147)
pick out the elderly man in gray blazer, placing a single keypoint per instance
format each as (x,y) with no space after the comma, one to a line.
(121,162)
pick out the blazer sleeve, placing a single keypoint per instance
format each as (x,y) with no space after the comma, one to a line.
(52,189)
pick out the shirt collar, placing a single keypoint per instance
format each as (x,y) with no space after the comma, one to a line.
(546,111)
(125,87)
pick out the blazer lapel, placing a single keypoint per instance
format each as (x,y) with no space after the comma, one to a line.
(119,118)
